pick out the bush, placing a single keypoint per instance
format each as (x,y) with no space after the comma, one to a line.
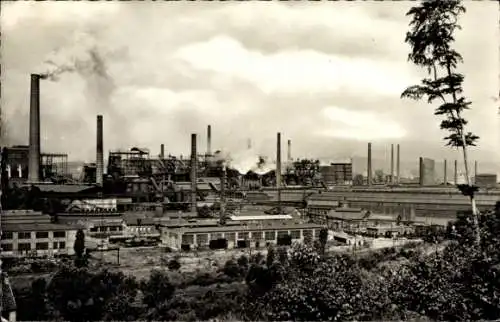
(174,264)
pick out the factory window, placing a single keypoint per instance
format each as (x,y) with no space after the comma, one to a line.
(282,233)
(295,234)
(42,234)
(270,235)
(316,233)
(243,235)
(188,239)
(202,239)
(215,236)
(59,234)
(7,247)
(24,246)
(93,229)
(120,228)
(231,236)
(307,235)
(42,246)
(102,229)
(113,228)
(7,235)
(24,235)
(257,235)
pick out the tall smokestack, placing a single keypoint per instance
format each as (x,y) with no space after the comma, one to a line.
(209,140)
(369,166)
(223,194)
(421,171)
(99,153)
(398,166)
(445,180)
(278,169)
(456,173)
(162,151)
(249,144)
(194,168)
(34,131)
(392,163)
(289,151)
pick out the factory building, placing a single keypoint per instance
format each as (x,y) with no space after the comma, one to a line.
(431,202)
(486,181)
(427,176)
(29,233)
(336,174)
(53,166)
(241,236)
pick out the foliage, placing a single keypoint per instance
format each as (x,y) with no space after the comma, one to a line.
(174,264)
(433,26)
(79,248)
(232,269)
(459,282)
(81,295)
(157,289)
(432,31)
(323,238)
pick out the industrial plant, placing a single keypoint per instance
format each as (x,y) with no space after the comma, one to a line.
(205,202)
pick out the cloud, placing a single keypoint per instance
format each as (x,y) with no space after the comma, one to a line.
(293,71)
(361,125)
(250,69)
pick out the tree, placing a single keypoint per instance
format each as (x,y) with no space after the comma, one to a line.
(323,238)
(79,247)
(432,27)
(358,180)
(379,176)
(157,289)
(174,264)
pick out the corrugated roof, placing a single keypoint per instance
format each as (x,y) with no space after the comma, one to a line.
(260,217)
(322,203)
(440,221)
(38,227)
(373,216)
(251,228)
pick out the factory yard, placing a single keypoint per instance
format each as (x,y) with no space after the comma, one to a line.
(140,261)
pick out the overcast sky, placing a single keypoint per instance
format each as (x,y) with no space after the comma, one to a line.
(328,75)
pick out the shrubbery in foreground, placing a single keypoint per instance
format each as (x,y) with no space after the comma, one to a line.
(460,282)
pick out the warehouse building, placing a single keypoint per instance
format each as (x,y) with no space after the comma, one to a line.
(242,236)
(30,233)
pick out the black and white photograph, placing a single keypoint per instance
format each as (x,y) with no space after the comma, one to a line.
(250,160)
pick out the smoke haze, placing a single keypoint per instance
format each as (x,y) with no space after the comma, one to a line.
(158,72)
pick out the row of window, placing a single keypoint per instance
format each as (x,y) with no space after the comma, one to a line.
(105,229)
(38,234)
(255,235)
(38,246)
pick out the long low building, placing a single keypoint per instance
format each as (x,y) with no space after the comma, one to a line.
(30,233)
(241,236)
(403,201)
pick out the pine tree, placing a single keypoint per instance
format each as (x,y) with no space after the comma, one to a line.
(431,37)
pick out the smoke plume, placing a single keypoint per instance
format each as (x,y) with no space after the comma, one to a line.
(246,161)
(84,57)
